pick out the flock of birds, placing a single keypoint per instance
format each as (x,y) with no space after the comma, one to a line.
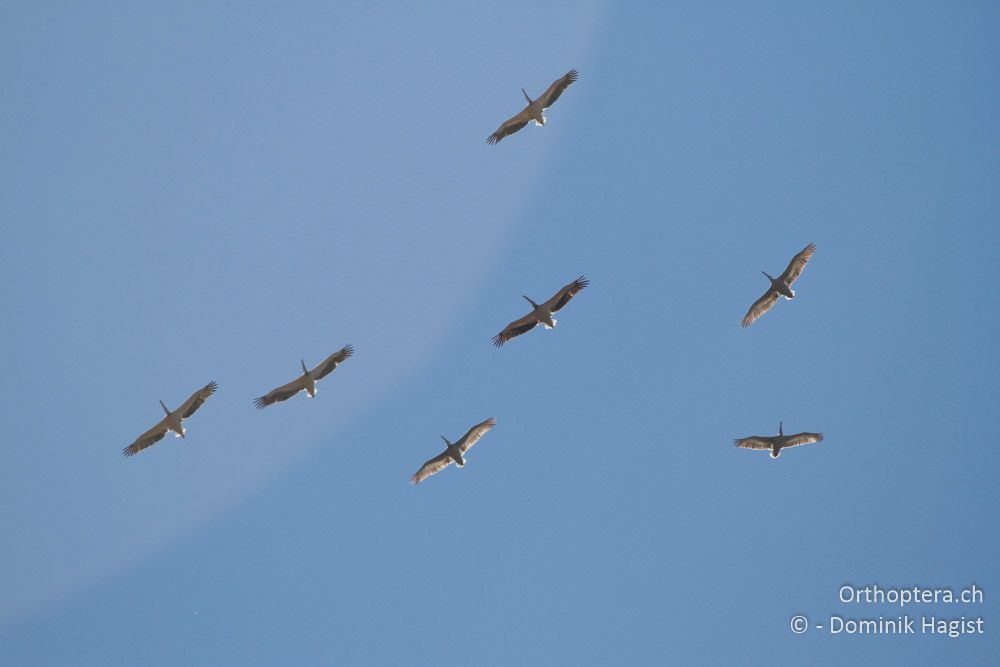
(540,314)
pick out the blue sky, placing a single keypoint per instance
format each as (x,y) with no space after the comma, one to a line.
(214,191)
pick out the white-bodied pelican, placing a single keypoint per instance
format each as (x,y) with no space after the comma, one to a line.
(541,314)
(173,420)
(778,442)
(780,286)
(535,108)
(305,381)
(453,452)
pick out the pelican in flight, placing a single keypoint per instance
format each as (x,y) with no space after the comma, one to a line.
(780,286)
(778,442)
(305,381)
(453,452)
(535,107)
(541,314)
(173,420)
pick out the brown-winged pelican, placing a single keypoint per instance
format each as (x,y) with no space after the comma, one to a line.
(778,442)
(173,420)
(541,313)
(305,381)
(453,452)
(780,286)
(535,107)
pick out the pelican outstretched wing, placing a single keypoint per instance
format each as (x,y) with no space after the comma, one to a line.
(803,439)
(797,264)
(325,368)
(147,439)
(515,328)
(282,393)
(753,442)
(194,402)
(510,126)
(432,466)
(553,92)
(474,434)
(759,307)
(562,297)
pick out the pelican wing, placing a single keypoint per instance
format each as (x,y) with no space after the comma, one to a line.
(797,264)
(432,466)
(753,442)
(331,362)
(194,402)
(759,307)
(803,439)
(282,393)
(515,328)
(150,437)
(474,434)
(563,296)
(510,126)
(556,89)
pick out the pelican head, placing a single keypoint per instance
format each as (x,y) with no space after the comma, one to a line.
(533,304)
(768,276)
(165,409)
(305,371)
(447,444)
(525,93)
(780,431)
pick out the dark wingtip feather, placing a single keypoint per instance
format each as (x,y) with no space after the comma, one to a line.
(493,138)
(127,452)
(260,402)
(349,350)
(499,340)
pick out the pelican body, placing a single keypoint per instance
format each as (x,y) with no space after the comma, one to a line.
(534,109)
(776,443)
(173,421)
(780,286)
(455,452)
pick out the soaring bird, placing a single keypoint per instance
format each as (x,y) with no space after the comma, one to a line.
(780,286)
(535,107)
(778,442)
(453,452)
(305,381)
(173,420)
(541,314)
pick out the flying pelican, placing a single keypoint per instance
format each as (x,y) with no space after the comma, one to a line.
(453,452)
(780,286)
(305,381)
(535,107)
(173,420)
(541,314)
(778,442)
